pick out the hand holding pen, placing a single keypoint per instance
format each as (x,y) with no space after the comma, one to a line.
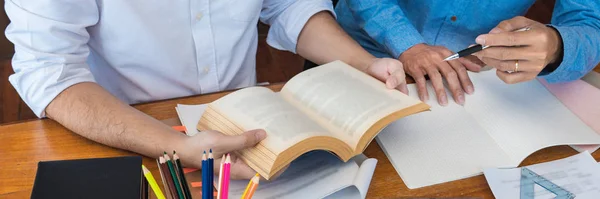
(520,56)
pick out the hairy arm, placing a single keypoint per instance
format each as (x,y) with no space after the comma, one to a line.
(90,111)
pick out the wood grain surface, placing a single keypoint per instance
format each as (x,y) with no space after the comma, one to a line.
(24,144)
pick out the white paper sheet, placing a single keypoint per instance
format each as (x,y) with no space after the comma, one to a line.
(189,115)
(499,126)
(318,174)
(438,146)
(578,174)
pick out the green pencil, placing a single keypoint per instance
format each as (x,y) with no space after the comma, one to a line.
(175,181)
(184,184)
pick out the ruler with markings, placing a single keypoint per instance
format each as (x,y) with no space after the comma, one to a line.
(529,179)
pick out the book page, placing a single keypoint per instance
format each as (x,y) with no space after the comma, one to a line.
(525,117)
(343,99)
(440,145)
(261,108)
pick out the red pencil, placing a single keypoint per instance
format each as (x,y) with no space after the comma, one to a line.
(167,175)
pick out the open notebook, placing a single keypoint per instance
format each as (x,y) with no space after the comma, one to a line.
(499,126)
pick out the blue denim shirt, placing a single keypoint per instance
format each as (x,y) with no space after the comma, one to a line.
(386,28)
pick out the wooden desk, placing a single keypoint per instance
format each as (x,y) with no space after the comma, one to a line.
(23,144)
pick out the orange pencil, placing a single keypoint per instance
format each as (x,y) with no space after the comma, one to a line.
(251,188)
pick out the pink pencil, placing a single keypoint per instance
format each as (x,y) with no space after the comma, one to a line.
(226,172)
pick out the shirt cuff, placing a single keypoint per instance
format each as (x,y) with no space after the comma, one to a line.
(284,33)
(39,86)
(571,67)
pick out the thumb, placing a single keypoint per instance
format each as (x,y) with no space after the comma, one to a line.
(245,140)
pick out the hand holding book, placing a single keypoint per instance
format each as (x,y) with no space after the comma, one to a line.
(221,144)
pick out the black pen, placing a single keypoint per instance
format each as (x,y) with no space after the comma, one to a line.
(475,48)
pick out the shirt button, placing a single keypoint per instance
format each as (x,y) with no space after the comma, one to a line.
(206,69)
(453,18)
(199,16)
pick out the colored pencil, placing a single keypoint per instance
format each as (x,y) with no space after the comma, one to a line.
(152,183)
(167,176)
(220,183)
(251,188)
(205,191)
(226,172)
(163,179)
(211,170)
(174,175)
(184,183)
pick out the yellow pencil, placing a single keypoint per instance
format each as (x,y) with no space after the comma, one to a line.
(251,188)
(152,183)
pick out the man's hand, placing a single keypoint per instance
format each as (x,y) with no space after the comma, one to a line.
(222,144)
(422,59)
(390,72)
(520,56)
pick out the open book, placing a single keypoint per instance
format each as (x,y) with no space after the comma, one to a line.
(499,126)
(333,107)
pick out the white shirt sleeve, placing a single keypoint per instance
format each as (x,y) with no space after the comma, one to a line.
(287,19)
(51,50)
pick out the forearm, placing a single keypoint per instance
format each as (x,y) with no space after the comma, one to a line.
(322,40)
(578,23)
(90,111)
(385,22)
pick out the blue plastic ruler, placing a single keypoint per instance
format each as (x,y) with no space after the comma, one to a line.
(530,178)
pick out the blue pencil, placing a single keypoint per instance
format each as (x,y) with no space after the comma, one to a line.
(205,191)
(211,169)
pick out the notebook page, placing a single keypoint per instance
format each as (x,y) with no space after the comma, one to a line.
(440,145)
(582,99)
(362,181)
(525,117)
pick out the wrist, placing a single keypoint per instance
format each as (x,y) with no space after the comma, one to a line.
(556,52)
(189,155)
(408,52)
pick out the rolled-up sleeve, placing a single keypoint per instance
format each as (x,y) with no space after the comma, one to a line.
(578,23)
(51,51)
(287,18)
(385,22)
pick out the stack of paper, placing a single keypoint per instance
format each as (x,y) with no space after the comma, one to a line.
(578,175)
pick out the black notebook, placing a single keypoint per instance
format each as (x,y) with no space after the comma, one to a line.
(119,177)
